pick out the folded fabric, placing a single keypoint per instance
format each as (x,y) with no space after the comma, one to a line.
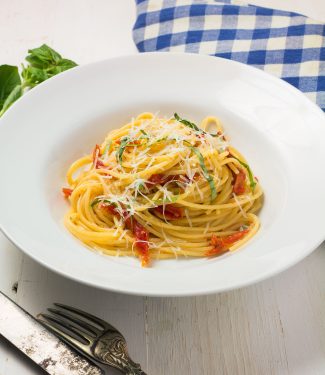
(288,45)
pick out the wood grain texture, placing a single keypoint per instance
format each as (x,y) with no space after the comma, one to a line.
(127,313)
(275,327)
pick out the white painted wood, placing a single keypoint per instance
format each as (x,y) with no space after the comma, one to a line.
(10,266)
(275,327)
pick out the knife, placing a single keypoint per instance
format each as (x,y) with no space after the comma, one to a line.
(45,349)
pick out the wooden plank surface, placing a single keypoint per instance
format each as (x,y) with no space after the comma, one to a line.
(274,327)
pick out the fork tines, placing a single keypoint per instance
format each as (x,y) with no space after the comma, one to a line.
(71,326)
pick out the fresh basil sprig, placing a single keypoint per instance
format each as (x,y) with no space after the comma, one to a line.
(42,63)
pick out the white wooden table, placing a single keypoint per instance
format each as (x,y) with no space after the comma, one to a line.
(275,327)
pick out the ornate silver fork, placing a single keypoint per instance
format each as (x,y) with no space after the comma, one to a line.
(97,339)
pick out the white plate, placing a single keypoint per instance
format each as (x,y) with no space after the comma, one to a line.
(281,133)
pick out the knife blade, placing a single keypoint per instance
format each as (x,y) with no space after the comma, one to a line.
(48,351)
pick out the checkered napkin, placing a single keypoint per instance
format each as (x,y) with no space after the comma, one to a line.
(286,44)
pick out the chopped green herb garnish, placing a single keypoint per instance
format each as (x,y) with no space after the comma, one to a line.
(144,133)
(132,144)
(188,123)
(206,174)
(95,201)
(192,125)
(252,182)
(121,149)
(107,147)
(101,200)
(162,201)
(157,141)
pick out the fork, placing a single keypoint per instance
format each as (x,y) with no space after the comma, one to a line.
(105,345)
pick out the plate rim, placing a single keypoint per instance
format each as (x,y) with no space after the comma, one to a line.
(214,289)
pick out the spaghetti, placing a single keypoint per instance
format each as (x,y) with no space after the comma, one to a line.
(161,188)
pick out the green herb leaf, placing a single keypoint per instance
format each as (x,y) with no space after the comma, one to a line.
(9,80)
(252,182)
(44,63)
(15,94)
(107,147)
(124,142)
(94,202)
(160,202)
(188,123)
(206,174)
(157,140)
(43,56)
(101,200)
(192,125)
(139,184)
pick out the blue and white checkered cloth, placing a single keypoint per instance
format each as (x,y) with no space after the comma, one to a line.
(288,45)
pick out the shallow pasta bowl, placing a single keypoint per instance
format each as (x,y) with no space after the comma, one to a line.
(280,132)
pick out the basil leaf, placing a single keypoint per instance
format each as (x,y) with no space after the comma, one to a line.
(15,94)
(107,147)
(44,63)
(33,76)
(101,200)
(43,56)
(188,123)
(192,125)
(145,135)
(162,201)
(121,149)
(252,182)
(206,174)
(9,80)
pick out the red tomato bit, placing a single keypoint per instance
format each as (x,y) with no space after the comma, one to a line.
(140,233)
(99,164)
(156,179)
(222,244)
(160,179)
(96,155)
(239,187)
(111,209)
(67,192)
(170,212)
(96,152)
(142,237)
